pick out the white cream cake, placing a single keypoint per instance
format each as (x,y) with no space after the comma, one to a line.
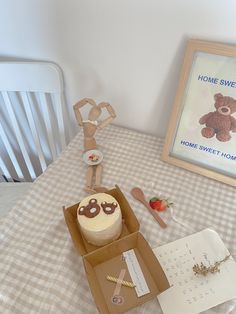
(100,220)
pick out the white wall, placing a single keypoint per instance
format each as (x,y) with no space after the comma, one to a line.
(127,52)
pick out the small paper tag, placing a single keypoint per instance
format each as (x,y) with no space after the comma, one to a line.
(118,285)
(136,273)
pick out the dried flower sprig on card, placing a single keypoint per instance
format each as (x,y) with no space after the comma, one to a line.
(204,270)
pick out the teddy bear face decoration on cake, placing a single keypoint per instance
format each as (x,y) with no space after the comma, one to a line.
(99,218)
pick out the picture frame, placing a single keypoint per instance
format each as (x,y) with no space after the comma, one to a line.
(201,135)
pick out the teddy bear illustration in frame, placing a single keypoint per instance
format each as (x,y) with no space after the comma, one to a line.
(199,138)
(92,156)
(220,122)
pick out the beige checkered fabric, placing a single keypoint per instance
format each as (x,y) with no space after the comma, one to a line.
(40,271)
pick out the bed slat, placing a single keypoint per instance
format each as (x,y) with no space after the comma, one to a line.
(26,101)
(18,134)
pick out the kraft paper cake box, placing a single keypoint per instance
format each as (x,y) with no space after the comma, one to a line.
(108,260)
(130,223)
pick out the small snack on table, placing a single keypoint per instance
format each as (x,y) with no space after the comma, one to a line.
(93,158)
(100,220)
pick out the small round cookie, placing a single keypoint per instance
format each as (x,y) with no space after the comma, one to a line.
(100,220)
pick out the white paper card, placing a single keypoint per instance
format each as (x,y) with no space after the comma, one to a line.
(136,273)
(195,293)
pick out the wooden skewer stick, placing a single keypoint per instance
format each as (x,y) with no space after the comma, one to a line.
(123,282)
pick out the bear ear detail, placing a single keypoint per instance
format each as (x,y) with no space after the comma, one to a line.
(82,210)
(218,96)
(93,201)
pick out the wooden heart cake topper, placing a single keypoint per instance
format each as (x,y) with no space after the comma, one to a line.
(92,155)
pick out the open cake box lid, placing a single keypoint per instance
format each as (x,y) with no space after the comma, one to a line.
(130,223)
(111,260)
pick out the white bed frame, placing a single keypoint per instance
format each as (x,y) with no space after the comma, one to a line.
(33,116)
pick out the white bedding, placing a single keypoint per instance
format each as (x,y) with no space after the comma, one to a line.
(10,193)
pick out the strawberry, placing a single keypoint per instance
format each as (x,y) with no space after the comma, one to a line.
(163,206)
(159,204)
(155,202)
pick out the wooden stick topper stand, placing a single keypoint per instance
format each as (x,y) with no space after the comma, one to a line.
(92,156)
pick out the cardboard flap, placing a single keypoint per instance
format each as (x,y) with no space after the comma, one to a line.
(95,288)
(128,215)
(150,259)
(70,215)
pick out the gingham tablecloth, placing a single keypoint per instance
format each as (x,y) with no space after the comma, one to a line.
(40,271)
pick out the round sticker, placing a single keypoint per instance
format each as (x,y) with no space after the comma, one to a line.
(117,299)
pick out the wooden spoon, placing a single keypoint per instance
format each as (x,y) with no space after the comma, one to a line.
(139,195)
